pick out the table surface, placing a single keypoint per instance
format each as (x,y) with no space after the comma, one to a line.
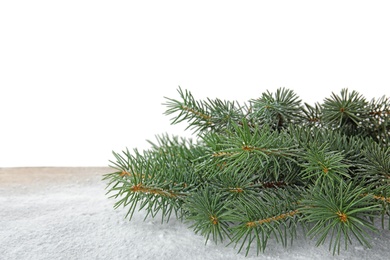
(64,213)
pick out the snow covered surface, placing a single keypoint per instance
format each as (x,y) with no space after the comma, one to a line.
(63,213)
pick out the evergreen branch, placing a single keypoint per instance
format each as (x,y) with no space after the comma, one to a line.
(234,184)
(189,109)
(345,109)
(220,154)
(264,142)
(248,150)
(274,184)
(313,114)
(276,110)
(256,219)
(271,219)
(216,115)
(155,191)
(206,213)
(338,213)
(375,168)
(159,178)
(257,172)
(322,165)
(381,198)
(196,113)
(376,120)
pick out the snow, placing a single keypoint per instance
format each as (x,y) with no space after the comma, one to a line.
(63,213)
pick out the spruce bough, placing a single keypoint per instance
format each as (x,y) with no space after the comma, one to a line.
(260,170)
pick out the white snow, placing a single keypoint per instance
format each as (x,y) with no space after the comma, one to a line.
(63,213)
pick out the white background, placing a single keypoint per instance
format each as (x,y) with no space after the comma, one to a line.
(79,79)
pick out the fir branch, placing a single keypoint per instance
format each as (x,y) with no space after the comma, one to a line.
(188,109)
(337,212)
(234,184)
(282,216)
(256,219)
(276,109)
(381,198)
(256,172)
(344,109)
(215,115)
(147,180)
(155,191)
(206,214)
(377,122)
(274,184)
(375,166)
(263,142)
(313,115)
(323,165)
